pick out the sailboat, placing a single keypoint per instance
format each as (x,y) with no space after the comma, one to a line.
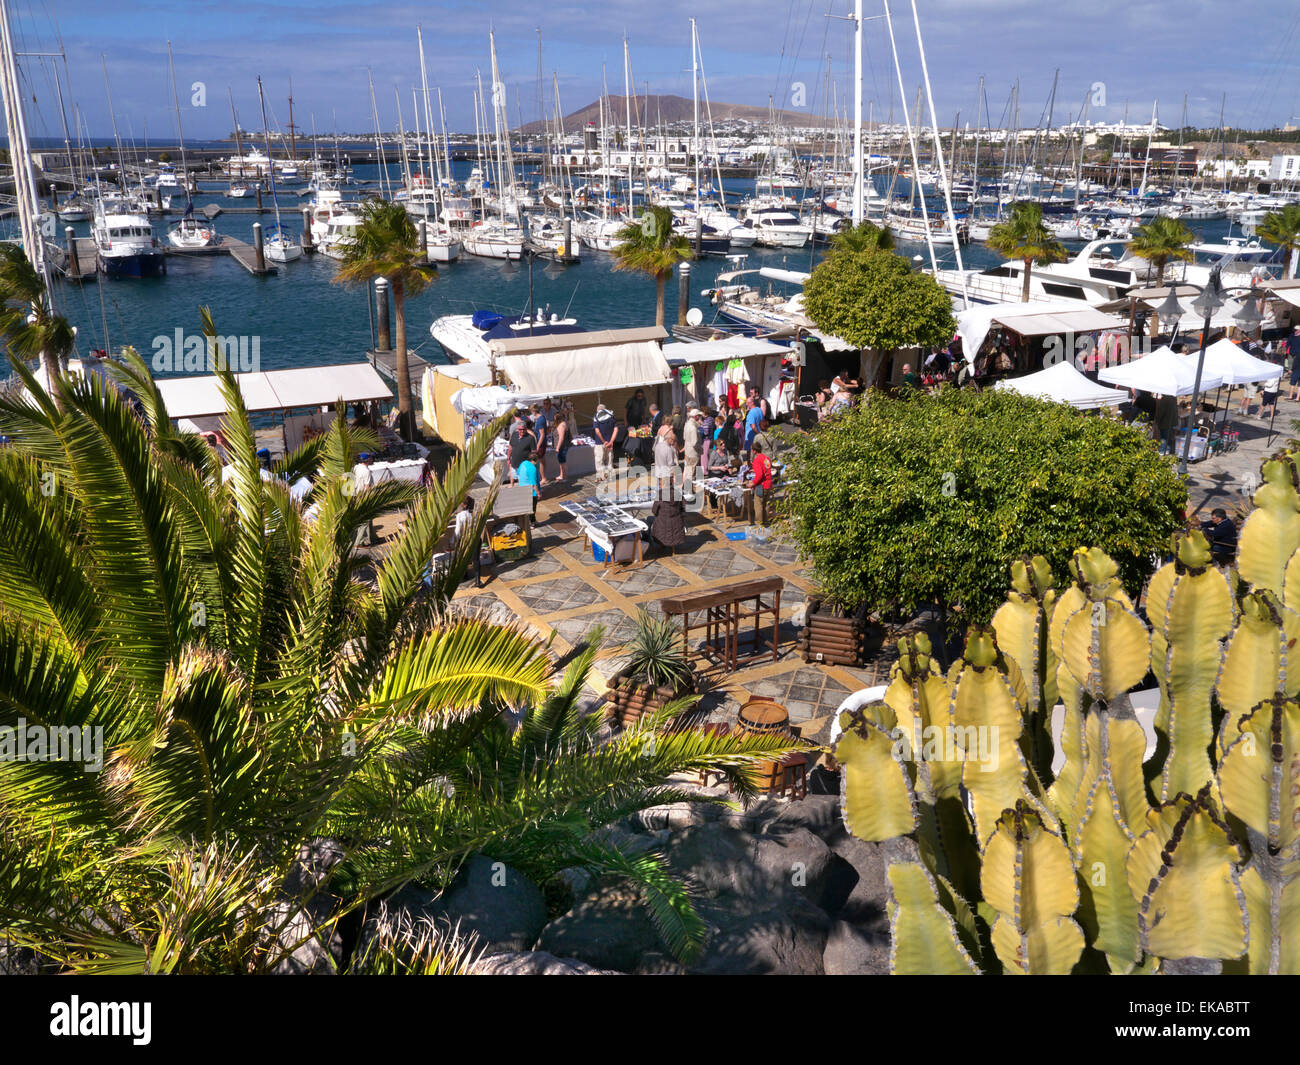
(238,189)
(497,238)
(279,246)
(190,233)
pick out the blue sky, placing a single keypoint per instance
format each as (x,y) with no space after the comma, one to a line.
(1139,51)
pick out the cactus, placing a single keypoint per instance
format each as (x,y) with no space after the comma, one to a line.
(1110,862)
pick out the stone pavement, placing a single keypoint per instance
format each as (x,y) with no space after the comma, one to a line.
(1228,480)
(563,593)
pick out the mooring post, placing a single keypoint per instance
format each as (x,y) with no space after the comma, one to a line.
(683,292)
(384,342)
(257,247)
(307,244)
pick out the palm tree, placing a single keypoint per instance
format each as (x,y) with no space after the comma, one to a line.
(1159,241)
(652,247)
(865,236)
(1022,235)
(1282,228)
(255,697)
(30,328)
(386,244)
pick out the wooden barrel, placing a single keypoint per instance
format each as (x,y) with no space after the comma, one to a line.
(765,717)
(760,717)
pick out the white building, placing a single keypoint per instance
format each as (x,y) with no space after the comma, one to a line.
(1284,168)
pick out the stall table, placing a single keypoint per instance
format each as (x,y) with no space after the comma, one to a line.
(723,610)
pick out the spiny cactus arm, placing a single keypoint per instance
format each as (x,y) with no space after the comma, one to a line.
(1065,788)
(1274,908)
(1258,662)
(1022,627)
(1190,619)
(1029,879)
(1184,872)
(1106,648)
(1113,804)
(987,719)
(1271,533)
(924,938)
(1259,776)
(877,794)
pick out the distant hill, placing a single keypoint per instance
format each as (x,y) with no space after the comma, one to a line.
(656,109)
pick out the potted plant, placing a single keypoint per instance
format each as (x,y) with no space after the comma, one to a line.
(658,672)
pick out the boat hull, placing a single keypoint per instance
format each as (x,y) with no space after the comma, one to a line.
(141,264)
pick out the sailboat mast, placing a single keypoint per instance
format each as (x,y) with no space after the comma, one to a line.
(180,133)
(270,166)
(627,104)
(239,148)
(859,175)
(24,175)
(695,94)
(293,130)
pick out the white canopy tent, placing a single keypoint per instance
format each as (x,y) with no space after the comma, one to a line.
(1161,372)
(1234,365)
(1064,384)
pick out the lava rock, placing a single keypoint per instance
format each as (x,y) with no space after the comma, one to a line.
(850,951)
(534,963)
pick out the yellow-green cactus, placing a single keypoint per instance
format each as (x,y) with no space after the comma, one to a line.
(1192,853)
(1185,872)
(1271,534)
(1191,609)
(1029,880)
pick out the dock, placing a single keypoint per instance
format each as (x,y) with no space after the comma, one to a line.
(78,261)
(386,363)
(245,254)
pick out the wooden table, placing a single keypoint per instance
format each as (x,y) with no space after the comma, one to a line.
(723,611)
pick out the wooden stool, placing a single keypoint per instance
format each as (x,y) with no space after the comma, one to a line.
(795,780)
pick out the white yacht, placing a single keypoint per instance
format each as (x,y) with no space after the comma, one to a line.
(190,234)
(601,234)
(468,337)
(775,227)
(124,242)
(547,231)
(493,239)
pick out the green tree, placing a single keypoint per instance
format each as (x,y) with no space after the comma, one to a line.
(1022,235)
(865,236)
(30,328)
(876,300)
(256,696)
(386,244)
(164,157)
(651,247)
(1282,228)
(920,500)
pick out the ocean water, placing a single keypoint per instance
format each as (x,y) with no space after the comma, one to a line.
(300,316)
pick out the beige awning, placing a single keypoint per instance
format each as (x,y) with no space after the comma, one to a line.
(1083,320)
(577,371)
(309,386)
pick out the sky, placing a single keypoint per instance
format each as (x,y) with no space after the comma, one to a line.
(1122,55)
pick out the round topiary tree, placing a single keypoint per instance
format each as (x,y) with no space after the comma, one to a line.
(922,501)
(874,299)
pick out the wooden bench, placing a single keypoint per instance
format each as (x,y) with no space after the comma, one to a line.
(723,611)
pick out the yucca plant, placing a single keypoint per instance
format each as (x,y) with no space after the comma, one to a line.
(658,654)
